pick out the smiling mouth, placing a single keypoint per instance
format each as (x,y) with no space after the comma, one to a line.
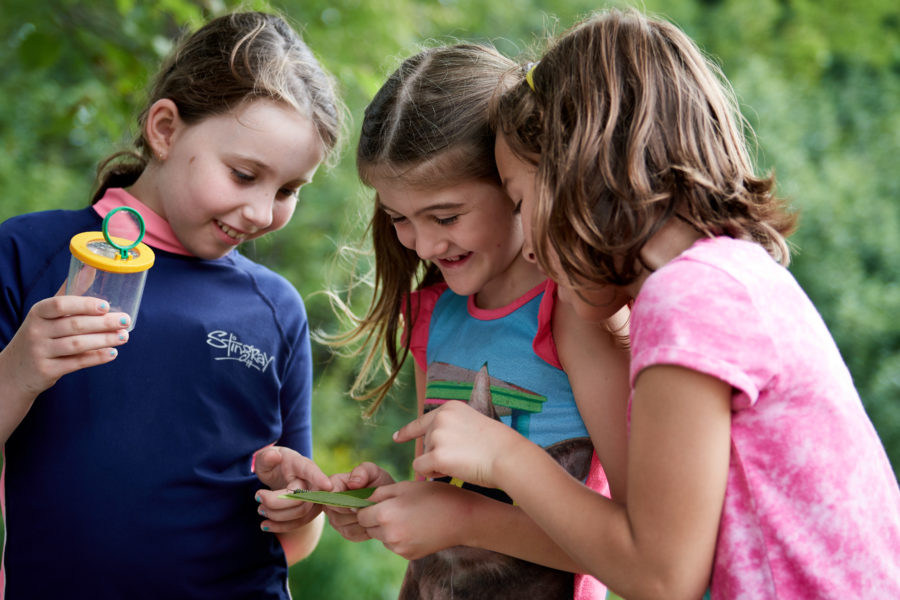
(232,233)
(454,260)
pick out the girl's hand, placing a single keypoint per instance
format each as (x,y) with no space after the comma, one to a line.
(344,520)
(285,470)
(417,518)
(460,442)
(282,468)
(60,335)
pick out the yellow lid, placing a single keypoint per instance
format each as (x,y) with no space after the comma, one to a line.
(92,249)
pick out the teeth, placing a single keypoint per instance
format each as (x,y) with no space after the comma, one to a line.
(231,232)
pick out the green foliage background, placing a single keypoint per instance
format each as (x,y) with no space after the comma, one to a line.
(818,79)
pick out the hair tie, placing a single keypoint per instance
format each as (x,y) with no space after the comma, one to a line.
(529,75)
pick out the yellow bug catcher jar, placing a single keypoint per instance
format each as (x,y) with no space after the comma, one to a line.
(111,268)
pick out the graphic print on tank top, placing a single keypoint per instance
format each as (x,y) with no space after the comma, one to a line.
(465,573)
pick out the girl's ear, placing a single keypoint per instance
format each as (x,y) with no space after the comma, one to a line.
(161,126)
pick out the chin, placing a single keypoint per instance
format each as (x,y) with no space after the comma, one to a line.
(461,286)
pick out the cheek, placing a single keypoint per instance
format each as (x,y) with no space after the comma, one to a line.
(282,213)
(526,234)
(514,237)
(525,217)
(406,236)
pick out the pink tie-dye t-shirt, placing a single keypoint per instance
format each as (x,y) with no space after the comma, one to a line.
(812,506)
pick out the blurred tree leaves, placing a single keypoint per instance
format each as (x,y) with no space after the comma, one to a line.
(818,80)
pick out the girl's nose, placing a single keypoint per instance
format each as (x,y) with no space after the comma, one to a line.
(258,212)
(429,247)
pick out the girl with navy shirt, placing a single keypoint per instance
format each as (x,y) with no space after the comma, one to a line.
(129,455)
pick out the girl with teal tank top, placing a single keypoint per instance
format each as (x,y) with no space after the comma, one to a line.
(456,288)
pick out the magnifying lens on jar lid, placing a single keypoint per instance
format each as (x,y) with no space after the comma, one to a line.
(109,267)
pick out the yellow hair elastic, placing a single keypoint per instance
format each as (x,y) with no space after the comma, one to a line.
(529,75)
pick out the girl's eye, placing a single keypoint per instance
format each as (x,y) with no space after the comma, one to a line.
(445,221)
(396,219)
(242,177)
(287,192)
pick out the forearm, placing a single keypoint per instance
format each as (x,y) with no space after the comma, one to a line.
(507,529)
(300,542)
(14,403)
(656,545)
(662,541)
(585,524)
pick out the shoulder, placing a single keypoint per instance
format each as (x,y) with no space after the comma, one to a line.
(50,224)
(267,279)
(722,257)
(707,310)
(717,281)
(423,301)
(272,288)
(40,236)
(544,344)
(711,271)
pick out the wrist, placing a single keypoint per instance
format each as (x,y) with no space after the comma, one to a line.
(469,531)
(507,466)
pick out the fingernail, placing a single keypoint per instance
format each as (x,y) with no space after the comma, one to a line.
(123,321)
(258,499)
(103,306)
(122,337)
(265,528)
(113,352)
(262,513)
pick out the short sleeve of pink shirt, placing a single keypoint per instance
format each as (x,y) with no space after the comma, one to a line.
(697,330)
(812,507)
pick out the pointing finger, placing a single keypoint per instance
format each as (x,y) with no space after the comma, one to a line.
(414,429)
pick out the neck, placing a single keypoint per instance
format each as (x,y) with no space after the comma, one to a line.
(145,190)
(519,277)
(668,243)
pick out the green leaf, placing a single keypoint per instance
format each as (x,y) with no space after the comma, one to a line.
(347,499)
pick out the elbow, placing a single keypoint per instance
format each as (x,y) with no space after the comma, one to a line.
(671,590)
(672,584)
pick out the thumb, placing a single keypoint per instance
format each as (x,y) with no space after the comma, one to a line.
(307,475)
(266,460)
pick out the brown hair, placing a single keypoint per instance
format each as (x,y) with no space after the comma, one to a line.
(232,59)
(630,125)
(428,127)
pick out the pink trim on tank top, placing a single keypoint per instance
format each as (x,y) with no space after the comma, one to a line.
(487,314)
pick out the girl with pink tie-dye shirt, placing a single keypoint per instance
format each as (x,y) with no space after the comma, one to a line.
(753,470)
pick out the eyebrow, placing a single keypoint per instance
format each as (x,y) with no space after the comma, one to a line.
(429,208)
